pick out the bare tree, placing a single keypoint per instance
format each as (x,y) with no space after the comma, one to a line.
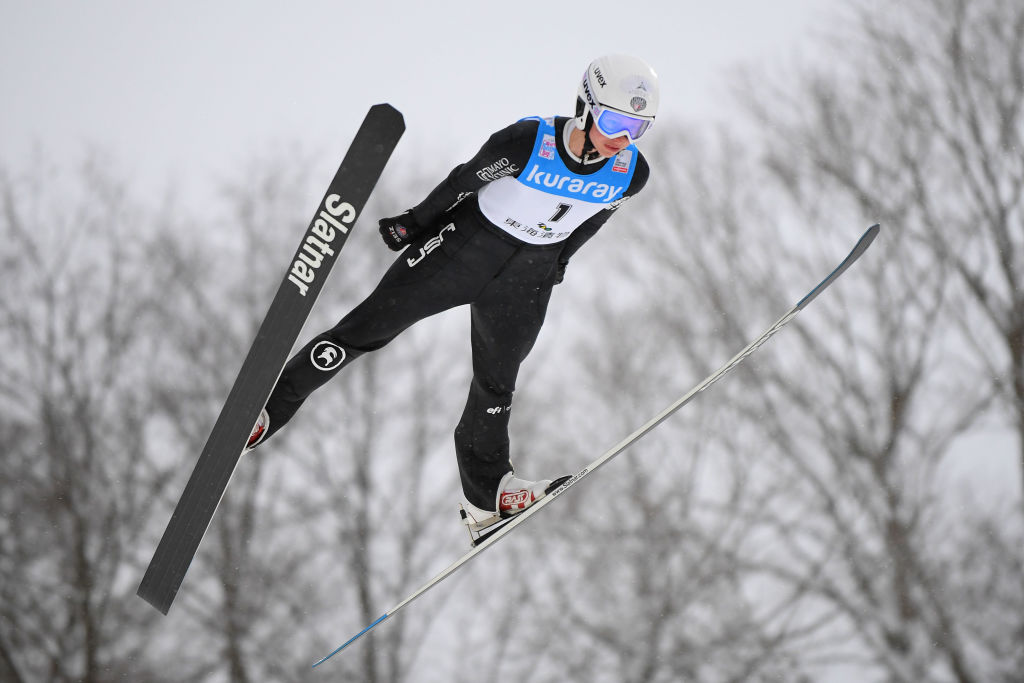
(337,517)
(792,523)
(77,330)
(903,131)
(919,120)
(802,499)
(919,123)
(124,325)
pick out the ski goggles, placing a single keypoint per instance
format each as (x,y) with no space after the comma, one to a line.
(613,124)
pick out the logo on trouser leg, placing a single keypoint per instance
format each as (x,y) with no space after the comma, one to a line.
(327,356)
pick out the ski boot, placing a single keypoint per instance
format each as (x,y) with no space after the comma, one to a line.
(514,496)
(259,431)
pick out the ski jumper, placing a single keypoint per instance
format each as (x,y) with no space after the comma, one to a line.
(503,226)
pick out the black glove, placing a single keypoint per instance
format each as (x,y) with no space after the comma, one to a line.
(398,231)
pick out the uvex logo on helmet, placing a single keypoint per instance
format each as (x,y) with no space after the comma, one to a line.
(586,92)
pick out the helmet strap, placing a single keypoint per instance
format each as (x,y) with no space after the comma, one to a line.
(588,146)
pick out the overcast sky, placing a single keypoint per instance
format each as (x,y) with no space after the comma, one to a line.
(188,90)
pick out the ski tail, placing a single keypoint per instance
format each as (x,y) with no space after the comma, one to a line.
(354,638)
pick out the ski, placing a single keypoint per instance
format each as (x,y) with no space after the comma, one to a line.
(489,538)
(304,277)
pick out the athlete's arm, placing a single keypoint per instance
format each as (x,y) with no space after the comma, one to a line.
(504,154)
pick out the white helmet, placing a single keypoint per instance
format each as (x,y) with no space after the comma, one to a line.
(620,95)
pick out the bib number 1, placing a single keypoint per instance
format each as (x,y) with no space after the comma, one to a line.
(560,213)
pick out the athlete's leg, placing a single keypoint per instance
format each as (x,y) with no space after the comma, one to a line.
(506,320)
(420,283)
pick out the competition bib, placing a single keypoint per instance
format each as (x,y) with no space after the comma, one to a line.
(547,201)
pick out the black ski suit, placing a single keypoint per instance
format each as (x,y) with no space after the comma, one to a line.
(504,269)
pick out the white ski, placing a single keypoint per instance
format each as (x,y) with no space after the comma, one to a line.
(485,541)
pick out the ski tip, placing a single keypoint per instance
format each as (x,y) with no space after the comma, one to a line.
(865,241)
(858,250)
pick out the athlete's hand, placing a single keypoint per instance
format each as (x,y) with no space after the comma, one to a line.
(398,231)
